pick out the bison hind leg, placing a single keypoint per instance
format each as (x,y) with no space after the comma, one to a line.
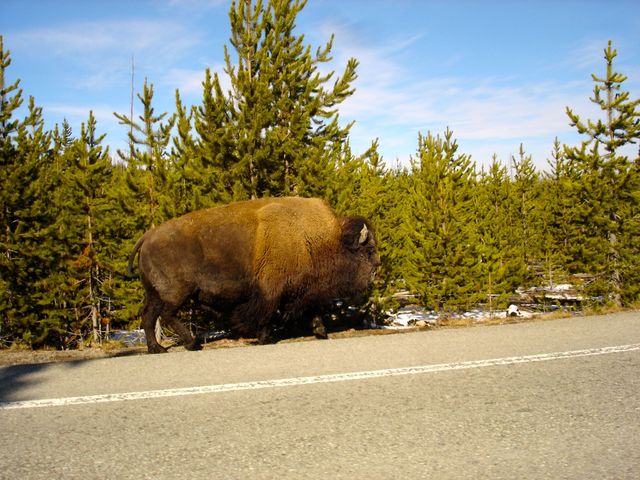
(153,305)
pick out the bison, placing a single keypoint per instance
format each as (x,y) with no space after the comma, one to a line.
(263,265)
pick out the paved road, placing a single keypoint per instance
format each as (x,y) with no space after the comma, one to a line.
(534,400)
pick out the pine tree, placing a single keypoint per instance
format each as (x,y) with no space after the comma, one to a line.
(10,100)
(150,173)
(187,179)
(397,226)
(214,148)
(498,263)
(121,227)
(88,180)
(284,123)
(443,228)
(558,216)
(359,183)
(363,186)
(28,235)
(148,166)
(526,217)
(608,196)
(12,183)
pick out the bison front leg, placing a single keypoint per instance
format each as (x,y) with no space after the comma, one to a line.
(257,317)
(267,328)
(188,341)
(318,328)
(266,335)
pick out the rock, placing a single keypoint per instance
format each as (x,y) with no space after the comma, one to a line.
(513,311)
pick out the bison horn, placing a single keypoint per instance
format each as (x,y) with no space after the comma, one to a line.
(363,235)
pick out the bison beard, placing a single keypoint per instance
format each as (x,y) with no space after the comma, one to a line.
(262,264)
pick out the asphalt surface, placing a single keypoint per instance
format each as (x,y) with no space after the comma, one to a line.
(536,400)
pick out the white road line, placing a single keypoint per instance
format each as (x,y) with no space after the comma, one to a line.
(290,382)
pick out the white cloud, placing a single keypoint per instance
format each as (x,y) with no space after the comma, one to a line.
(80,113)
(393,101)
(588,54)
(189,81)
(95,37)
(102,50)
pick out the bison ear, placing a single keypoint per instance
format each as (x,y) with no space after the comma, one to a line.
(355,233)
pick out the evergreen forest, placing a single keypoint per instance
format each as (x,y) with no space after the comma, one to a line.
(450,231)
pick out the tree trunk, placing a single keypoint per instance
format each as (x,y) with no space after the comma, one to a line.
(95,322)
(616,276)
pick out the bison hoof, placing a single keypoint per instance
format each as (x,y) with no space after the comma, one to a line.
(318,329)
(156,349)
(320,333)
(265,338)
(193,346)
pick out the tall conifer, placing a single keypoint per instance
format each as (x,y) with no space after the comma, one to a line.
(558,216)
(148,157)
(498,262)
(187,179)
(28,236)
(284,121)
(10,101)
(87,187)
(608,196)
(214,146)
(444,232)
(525,223)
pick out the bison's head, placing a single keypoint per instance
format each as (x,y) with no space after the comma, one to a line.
(358,241)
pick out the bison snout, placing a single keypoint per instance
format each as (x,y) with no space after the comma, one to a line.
(373,275)
(374,272)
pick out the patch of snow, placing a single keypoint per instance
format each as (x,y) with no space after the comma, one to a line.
(406,317)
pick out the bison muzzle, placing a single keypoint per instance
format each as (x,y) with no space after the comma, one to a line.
(262,265)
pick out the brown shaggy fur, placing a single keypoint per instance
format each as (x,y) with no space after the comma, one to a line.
(262,264)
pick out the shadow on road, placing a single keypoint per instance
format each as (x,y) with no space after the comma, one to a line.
(14,379)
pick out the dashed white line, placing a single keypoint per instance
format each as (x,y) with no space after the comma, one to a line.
(290,382)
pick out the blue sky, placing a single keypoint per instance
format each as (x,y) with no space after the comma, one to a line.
(496,72)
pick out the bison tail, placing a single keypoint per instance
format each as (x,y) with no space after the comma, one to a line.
(133,254)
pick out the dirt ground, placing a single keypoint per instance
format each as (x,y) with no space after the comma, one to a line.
(13,356)
(23,357)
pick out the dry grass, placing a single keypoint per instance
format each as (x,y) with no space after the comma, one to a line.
(21,355)
(558,314)
(605,309)
(471,322)
(29,357)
